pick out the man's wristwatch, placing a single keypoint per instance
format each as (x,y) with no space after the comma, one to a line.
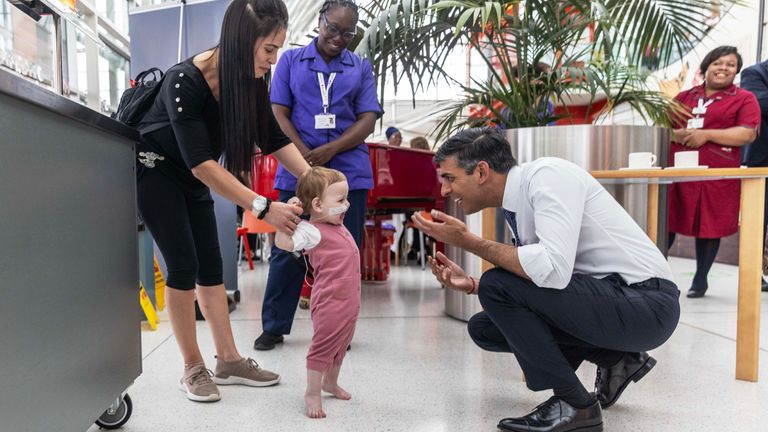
(260,206)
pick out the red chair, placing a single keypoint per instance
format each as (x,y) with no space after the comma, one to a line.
(242,236)
(375,253)
(263,174)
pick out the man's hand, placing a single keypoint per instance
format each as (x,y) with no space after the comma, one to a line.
(450,274)
(443,228)
(283,216)
(320,155)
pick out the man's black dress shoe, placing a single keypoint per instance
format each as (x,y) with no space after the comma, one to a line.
(556,415)
(267,341)
(611,381)
(764,286)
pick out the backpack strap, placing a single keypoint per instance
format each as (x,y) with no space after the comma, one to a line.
(157,74)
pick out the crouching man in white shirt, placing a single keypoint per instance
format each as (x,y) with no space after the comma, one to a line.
(581,280)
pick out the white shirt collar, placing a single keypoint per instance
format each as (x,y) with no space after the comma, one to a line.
(512,189)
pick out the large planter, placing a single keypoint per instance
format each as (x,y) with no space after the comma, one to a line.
(591,147)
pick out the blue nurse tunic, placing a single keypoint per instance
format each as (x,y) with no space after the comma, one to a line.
(353,92)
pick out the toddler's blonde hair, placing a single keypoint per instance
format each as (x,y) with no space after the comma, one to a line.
(313,183)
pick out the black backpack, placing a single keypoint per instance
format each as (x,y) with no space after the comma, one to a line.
(137,100)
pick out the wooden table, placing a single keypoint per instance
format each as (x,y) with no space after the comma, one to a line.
(750,242)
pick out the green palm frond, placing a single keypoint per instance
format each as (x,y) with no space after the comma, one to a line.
(594,47)
(407,40)
(673,27)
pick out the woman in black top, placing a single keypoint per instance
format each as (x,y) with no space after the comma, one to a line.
(212,105)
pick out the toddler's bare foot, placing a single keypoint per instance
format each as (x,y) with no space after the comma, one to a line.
(337,391)
(314,406)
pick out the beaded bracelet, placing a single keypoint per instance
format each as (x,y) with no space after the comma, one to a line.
(474,286)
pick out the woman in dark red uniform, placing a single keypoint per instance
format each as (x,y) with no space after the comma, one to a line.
(723,118)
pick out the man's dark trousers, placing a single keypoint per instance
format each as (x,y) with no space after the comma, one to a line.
(552,331)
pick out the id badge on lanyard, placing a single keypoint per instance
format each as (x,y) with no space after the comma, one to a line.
(700,110)
(325,120)
(696,123)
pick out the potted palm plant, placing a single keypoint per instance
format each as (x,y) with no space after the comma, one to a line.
(591,50)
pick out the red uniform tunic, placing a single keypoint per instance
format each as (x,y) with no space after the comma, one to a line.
(711,209)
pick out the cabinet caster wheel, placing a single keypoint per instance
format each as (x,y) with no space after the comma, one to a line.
(114,418)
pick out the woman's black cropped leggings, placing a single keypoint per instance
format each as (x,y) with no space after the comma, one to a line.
(183,224)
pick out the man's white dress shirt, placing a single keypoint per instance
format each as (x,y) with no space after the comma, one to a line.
(568,223)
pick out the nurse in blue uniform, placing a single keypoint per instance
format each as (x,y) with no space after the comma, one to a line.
(324,98)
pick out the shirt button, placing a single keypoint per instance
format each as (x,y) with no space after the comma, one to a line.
(181,74)
(179,109)
(178,99)
(177,85)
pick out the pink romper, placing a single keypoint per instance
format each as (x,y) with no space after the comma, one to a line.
(335,302)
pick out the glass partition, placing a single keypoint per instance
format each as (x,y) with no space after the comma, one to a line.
(115,11)
(82,54)
(27,46)
(75,71)
(113,78)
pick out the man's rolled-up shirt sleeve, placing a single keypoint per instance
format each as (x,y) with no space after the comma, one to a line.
(558,211)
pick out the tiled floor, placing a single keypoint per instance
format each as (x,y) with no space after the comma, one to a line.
(411,368)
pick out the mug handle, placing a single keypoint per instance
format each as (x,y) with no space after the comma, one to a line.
(653,159)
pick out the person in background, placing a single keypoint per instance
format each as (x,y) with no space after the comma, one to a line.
(722,118)
(413,247)
(420,143)
(213,104)
(581,280)
(755,80)
(324,97)
(394,137)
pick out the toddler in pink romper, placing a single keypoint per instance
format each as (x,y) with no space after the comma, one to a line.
(335,301)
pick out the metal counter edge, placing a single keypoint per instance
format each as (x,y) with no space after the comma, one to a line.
(20,88)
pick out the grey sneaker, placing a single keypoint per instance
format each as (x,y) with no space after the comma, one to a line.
(244,372)
(198,386)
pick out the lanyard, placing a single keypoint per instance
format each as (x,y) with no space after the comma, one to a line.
(702,107)
(324,89)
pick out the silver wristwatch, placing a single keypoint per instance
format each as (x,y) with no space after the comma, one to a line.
(259,204)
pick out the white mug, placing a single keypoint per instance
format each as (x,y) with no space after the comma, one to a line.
(687,159)
(641,160)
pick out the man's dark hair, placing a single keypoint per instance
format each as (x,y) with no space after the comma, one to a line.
(718,52)
(471,146)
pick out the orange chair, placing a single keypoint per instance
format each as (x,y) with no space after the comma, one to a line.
(254,225)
